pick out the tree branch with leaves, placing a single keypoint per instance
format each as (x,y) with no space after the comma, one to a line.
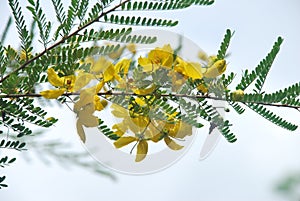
(156,96)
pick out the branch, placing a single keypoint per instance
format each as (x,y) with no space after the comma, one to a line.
(163,95)
(63,40)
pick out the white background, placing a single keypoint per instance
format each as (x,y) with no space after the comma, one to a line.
(247,170)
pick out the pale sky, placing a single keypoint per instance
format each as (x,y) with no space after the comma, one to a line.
(247,170)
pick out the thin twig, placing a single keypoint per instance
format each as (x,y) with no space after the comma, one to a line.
(62,41)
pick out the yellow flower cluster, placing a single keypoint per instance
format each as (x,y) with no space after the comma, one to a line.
(182,70)
(101,70)
(137,124)
(145,128)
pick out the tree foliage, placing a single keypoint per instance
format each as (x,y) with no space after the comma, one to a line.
(166,97)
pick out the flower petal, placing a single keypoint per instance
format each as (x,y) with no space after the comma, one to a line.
(82,80)
(52,94)
(123,66)
(54,79)
(146,64)
(123,141)
(216,69)
(80,131)
(193,70)
(142,150)
(172,144)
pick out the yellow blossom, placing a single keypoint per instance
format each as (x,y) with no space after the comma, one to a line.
(237,95)
(189,69)
(65,83)
(142,146)
(82,79)
(85,118)
(159,57)
(214,68)
(122,68)
(103,67)
(23,55)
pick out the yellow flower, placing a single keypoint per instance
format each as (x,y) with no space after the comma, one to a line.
(85,118)
(214,68)
(88,96)
(123,66)
(103,67)
(99,104)
(237,95)
(65,83)
(189,69)
(142,146)
(23,55)
(175,130)
(159,57)
(82,80)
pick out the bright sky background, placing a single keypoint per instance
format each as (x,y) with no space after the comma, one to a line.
(247,170)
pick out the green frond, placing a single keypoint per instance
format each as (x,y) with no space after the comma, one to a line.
(92,35)
(40,18)
(237,107)
(288,93)
(72,13)
(225,131)
(2,60)
(265,65)
(267,114)
(201,2)
(227,80)
(12,144)
(60,16)
(83,6)
(163,5)
(153,5)
(261,71)
(292,102)
(6,29)
(107,131)
(59,10)
(106,2)
(138,21)
(224,45)
(19,111)
(20,25)
(5,161)
(93,14)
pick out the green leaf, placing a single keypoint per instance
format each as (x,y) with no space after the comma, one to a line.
(261,71)
(224,45)
(267,114)
(138,21)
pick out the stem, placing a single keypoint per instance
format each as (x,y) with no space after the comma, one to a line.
(62,41)
(163,95)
